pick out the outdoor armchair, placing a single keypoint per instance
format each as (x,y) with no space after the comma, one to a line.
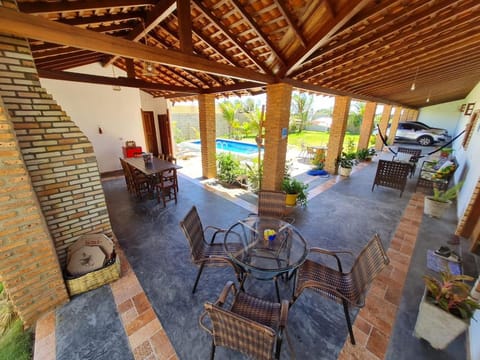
(205,253)
(272,204)
(252,326)
(347,288)
(392,174)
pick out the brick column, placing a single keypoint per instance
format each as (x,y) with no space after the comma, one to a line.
(367,125)
(393,128)
(277,118)
(337,132)
(206,117)
(387,110)
(29,268)
(413,115)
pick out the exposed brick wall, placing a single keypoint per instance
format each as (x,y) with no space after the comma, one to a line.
(394,126)
(367,125)
(55,160)
(29,267)
(206,117)
(277,117)
(387,110)
(58,156)
(337,132)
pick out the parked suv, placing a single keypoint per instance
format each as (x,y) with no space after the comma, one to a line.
(419,132)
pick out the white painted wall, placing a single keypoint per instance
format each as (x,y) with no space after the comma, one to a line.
(118,113)
(445,116)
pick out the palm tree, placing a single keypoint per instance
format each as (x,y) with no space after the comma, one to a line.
(229,112)
(301,109)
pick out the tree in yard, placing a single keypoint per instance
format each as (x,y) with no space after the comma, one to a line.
(355,116)
(229,111)
(301,110)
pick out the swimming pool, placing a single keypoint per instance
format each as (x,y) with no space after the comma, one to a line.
(233,146)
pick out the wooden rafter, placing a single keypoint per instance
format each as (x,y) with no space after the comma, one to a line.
(30,26)
(63,6)
(291,22)
(327,31)
(226,32)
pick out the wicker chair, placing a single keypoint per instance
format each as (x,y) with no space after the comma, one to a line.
(272,204)
(252,326)
(349,288)
(203,253)
(415,155)
(392,174)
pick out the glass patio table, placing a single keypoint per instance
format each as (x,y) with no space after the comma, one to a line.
(270,247)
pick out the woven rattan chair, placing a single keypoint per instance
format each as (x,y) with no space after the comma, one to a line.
(415,155)
(346,288)
(202,252)
(272,204)
(392,174)
(251,325)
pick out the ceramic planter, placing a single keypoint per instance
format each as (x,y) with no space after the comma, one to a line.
(437,326)
(434,208)
(291,199)
(344,171)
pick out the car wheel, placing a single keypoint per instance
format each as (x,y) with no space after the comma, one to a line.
(425,140)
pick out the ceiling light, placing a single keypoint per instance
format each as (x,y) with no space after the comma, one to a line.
(412,88)
(115,87)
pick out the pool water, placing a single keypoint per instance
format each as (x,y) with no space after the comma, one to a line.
(234,146)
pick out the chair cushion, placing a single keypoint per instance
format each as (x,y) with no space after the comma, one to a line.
(403,157)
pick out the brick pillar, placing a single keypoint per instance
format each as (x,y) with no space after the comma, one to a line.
(395,120)
(337,132)
(367,125)
(414,115)
(206,117)
(387,110)
(277,118)
(29,268)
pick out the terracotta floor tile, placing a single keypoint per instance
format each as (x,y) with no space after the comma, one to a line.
(143,351)
(162,346)
(125,306)
(140,321)
(378,343)
(141,302)
(144,333)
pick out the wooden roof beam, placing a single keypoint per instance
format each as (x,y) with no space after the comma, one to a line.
(19,24)
(63,6)
(251,22)
(291,22)
(154,17)
(226,32)
(405,23)
(105,80)
(351,8)
(184,26)
(90,20)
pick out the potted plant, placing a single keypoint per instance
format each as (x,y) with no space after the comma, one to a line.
(445,310)
(365,154)
(345,163)
(435,205)
(296,191)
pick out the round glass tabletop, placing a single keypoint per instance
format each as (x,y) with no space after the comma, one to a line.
(268,246)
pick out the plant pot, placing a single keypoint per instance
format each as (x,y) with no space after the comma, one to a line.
(344,171)
(291,199)
(434,208)
(437,326)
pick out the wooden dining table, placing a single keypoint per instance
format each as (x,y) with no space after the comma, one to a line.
(156,166)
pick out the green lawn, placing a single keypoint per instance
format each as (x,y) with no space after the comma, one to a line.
(16,344)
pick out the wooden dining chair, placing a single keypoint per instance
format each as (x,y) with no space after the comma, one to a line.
(166,186)
(138,183)
(252,326)
(205,253)
(347,288)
